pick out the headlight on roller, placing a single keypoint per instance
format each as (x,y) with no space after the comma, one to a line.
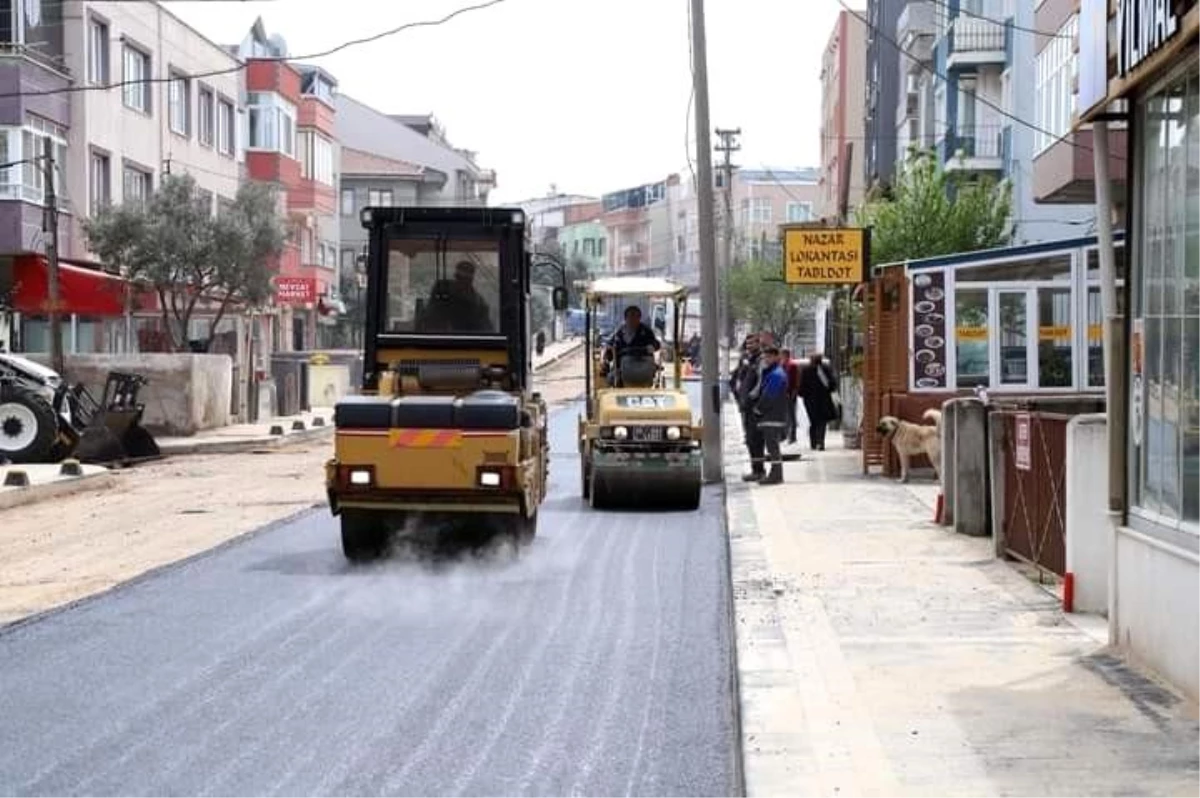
(673,433)
(620,433)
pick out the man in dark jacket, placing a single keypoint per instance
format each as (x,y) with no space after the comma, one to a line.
(634,336)
(770,412)
(792,369)
(742,384)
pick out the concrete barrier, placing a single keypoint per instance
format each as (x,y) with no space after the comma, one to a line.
(1089,532)
(187,393)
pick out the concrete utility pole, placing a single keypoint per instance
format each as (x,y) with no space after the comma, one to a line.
(50,231)
(728,146)
(711,368)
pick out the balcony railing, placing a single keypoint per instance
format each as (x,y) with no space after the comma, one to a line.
(974,36)
(915,20)
(983,142)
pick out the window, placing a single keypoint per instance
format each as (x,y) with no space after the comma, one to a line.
(347,202)
(761,210)
(272,122)
(1013,309)
(1055,92)
(1055,365)
(179,96)
(225,129)
(99,183)
(27,181)
(136,188)
(1095,314)
(316,157)
(799,211)
(98,53)
(205,129)
(970,337)
(136,91)
(348,264)
(466,302)
(601,243)
(379,198)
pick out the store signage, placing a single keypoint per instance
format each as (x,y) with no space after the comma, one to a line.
(295,290)
(824,255)
(1022,454)
(1143,27)
(646,402)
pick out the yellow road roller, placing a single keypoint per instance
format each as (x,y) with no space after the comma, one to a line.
(639,444)
(446,424)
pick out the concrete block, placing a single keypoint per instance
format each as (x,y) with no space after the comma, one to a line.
(276,429)
(1089,534)
(70,468)
(186,393)
(318,421)
(971,498)
(16,478)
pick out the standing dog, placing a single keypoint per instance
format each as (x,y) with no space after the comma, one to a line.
(910,440)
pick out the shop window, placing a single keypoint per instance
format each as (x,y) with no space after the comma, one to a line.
(971,337)
(1013,309)
(1054,338)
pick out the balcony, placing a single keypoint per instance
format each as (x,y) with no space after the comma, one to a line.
(973,149)
(977,42)
(914,32)
(909,107)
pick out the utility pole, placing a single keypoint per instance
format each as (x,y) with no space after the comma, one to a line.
(711,368)
(50,231)
(728,146)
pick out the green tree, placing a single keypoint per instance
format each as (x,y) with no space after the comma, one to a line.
(759,296)
(177,246)
(929,212)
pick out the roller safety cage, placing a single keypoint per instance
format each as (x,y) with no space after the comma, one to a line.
(639,443)
(446,426)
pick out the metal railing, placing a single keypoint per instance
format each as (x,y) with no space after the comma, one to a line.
(974,35)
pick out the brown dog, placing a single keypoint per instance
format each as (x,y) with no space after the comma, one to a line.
(910,440)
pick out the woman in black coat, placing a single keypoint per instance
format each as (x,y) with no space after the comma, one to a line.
(817,387)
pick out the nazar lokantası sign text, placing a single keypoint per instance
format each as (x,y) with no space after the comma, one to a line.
(824,256)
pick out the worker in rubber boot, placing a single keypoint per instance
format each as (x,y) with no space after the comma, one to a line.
(770,412)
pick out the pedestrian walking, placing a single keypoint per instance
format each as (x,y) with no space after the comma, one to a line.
(792,369)
(818,390)
(770,412)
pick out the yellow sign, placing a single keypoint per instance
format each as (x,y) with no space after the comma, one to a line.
(1095,333)
(971,333)
(1054,333)
(824,255)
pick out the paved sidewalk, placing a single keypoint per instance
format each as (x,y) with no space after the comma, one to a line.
(880,654)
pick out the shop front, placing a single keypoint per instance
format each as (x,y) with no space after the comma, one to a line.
(1144,72)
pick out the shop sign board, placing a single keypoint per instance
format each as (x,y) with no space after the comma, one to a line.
(825,255)
(1143,27)
(295,290)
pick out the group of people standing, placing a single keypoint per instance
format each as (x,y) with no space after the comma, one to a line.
(767,383)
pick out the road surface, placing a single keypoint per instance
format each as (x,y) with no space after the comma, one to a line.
(599,663)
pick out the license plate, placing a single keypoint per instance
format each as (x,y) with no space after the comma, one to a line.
(646,434)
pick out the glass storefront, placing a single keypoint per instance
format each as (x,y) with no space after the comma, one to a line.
(1165,339)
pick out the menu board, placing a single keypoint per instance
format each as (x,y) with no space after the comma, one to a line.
(929,330)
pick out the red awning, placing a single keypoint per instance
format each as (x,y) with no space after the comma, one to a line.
(82,291)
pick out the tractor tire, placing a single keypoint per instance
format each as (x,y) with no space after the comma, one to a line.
(585,486)
(28,425)
(690,495)
(598,493)
(364,536)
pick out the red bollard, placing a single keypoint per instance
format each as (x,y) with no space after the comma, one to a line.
(937,513)
(1068,592)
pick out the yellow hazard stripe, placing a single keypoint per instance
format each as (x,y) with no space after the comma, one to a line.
(425,438)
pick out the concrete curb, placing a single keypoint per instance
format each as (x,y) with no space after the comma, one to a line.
(560,356)
(249,444)
(19,497)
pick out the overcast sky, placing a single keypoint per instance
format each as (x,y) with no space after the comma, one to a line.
(588,95)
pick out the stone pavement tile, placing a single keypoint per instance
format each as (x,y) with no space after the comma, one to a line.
(889,656)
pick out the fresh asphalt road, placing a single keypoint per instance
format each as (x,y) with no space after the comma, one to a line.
(598,663)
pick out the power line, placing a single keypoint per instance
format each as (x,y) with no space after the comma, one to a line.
(982,100)
(429,23)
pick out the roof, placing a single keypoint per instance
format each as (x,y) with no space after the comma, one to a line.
(768,175)
(363,128)
(357,162)
(628,286)
(1003,253)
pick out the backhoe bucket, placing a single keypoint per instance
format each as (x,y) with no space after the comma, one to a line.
(115,433)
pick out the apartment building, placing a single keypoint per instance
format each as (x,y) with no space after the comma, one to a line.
(291,142)
(583,236)
(882,92)
(397,159)
(963,65)
(764,199)
(843,98)
(641,225)
(1063,167)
